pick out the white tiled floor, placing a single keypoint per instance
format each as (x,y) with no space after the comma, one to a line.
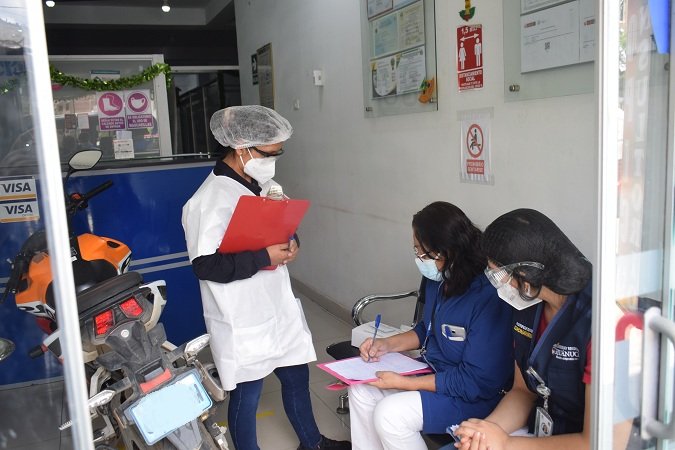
(30,416)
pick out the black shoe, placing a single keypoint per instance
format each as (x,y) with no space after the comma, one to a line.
(329,444)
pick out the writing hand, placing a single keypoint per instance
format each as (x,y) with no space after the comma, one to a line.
(375,349)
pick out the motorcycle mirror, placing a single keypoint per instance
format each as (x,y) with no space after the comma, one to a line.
(85,159)
(6,348)
(194,346)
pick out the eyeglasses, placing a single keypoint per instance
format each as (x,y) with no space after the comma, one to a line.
(499,276)
(268,154)
(424,256)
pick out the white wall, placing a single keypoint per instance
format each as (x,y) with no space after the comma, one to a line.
(367,177)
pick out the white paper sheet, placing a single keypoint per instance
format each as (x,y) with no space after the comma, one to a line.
(358,369)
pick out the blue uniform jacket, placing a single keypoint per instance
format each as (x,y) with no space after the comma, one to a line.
(470,373)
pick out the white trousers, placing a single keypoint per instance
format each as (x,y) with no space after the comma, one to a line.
(385,419)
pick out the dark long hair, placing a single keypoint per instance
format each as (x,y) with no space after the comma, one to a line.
(528,235)
(443,228)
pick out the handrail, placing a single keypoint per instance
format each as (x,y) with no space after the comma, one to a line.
(360,304)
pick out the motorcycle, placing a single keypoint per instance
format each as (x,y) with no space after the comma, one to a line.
(143,390)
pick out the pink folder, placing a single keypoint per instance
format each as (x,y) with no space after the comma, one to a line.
(324,367)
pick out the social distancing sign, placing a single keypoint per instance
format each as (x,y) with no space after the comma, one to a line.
(470,57)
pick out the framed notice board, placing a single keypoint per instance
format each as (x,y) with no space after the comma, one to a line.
(399,56)
(529,24)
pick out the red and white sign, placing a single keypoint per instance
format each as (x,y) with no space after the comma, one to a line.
(470,57)
(475,144)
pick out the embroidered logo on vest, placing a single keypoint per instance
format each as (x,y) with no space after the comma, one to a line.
(522,329)
(565,353)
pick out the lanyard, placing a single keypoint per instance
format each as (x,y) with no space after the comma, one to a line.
(535,379)
(550,329)
(423,349)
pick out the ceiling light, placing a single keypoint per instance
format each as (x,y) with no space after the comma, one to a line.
(50,3)
(165,6)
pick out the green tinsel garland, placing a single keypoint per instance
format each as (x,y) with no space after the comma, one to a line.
(96,84)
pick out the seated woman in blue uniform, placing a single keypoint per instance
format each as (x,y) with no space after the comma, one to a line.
(464,336)
(538,271)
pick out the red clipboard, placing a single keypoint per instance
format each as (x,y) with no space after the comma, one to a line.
(258,222)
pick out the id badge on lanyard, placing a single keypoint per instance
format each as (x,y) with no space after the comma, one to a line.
(543,423)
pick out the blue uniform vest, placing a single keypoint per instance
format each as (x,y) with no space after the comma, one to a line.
(559,357)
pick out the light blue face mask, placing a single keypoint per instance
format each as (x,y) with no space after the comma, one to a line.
(428,269)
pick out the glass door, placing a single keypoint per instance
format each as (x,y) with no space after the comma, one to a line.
(635,292)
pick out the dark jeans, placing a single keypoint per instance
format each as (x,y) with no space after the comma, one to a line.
(297,404)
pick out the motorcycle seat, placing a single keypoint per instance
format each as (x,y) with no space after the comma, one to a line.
(96,295)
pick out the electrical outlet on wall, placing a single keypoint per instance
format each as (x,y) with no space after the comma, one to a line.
(318,77)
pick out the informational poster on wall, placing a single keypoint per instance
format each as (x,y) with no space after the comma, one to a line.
(18,200)
(556,33)
(139,113)
(475,146)
(121,110)
(123,148)
(398,74)
(398,58)
(111,110)
(377,7)
(265,76)
(470,57)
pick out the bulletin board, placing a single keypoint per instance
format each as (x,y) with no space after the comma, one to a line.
(526,77)
(398,39)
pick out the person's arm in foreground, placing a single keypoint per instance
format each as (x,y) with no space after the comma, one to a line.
(510,415)
(228,267)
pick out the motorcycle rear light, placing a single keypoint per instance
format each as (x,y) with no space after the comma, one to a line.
(104,322)
(131,308)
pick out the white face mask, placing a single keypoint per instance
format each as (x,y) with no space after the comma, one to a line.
(511,296)
(260,169)
(428,269)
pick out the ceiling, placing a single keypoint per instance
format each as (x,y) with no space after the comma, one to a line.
(188,13)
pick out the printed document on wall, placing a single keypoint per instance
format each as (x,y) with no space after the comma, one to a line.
(550,38)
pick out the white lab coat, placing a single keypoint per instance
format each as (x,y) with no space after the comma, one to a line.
(256,324)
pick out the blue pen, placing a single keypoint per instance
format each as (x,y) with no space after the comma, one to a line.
(377,327)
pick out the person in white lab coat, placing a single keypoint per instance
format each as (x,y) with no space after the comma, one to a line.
(256,323)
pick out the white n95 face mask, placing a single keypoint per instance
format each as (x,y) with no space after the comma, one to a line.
(428,269)
(511,296)
(260,169)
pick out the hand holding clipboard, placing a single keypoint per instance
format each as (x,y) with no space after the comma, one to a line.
(259,222)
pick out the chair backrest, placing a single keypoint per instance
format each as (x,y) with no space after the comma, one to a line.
(361,304)
(419,306)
